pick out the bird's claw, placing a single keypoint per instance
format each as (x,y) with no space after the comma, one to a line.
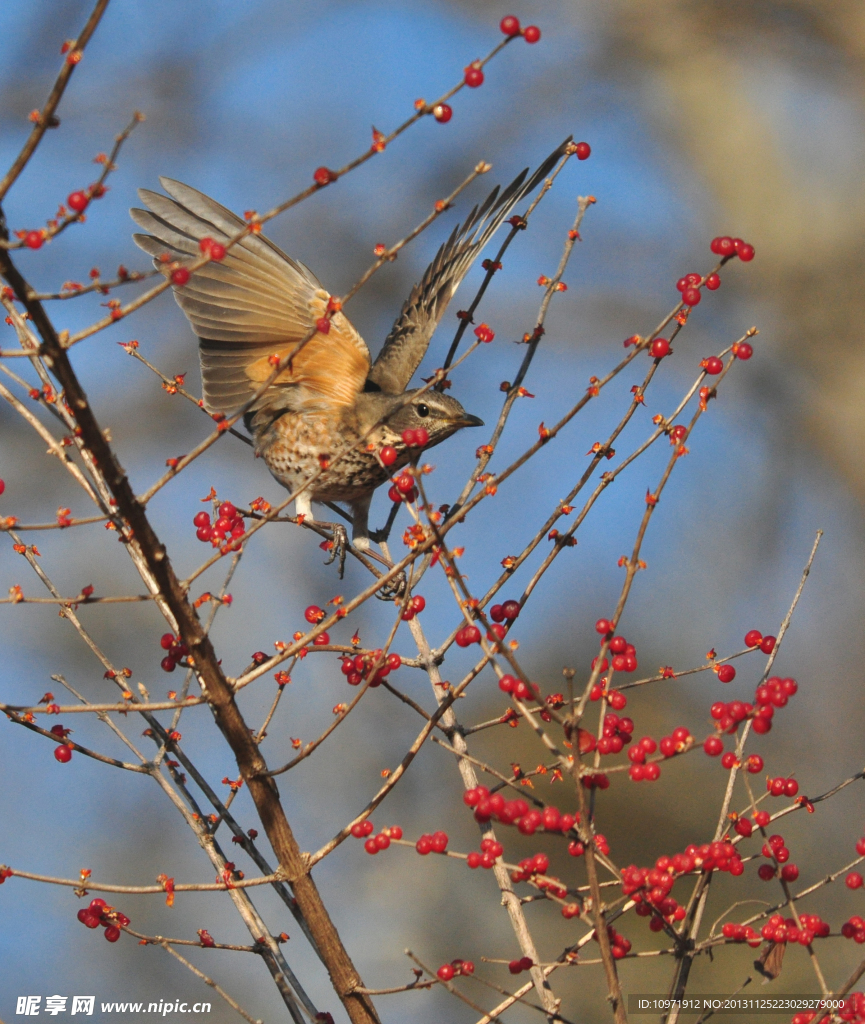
(340,547)
(393,589)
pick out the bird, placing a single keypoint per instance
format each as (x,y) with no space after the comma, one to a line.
(321,425)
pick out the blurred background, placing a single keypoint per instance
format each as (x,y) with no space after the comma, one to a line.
(704,118)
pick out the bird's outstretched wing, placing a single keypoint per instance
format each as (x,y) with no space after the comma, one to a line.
(409,338)
(254,304)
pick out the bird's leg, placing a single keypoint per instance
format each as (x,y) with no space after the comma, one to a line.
(360,537)
(303,507)
(382,535)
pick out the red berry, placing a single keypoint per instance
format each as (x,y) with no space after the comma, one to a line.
(201,519)
(323,176)
(442,113)
(418,604)
(511,610)
(321,640)
(691,296)
(725,246)
(423,845)
(33,239)
(853,880)
(744,827)
(791,787)
(421,437)
(404,483)
(652,772)
(753,638)
(507,684)
(217,251)
(767,644)
(660,348)
(515,966)
(713,365)
(474,77)
(445,972)
(789,872)
(180,277)
(388,455)
(63,753)
(382,841)
(227,511)
(2,486)
(168,663)
(754,764)
(112,933)
(408,438)
(713,745)
(728,760)
(77,201)
(766,872)
(167,641)
(726,673)
(510,25)
(744,350)
(582,149)
(531,33)
(371,846)
(314,614)
(603,626)
(713,282)
(745,252)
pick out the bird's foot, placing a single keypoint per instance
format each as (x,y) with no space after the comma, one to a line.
(393,589)
(339,546)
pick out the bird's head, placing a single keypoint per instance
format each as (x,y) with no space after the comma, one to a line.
(438,414)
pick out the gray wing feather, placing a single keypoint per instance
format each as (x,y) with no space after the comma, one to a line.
(410,335)
(242,307)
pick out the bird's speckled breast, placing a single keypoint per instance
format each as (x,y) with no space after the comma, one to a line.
(296,446)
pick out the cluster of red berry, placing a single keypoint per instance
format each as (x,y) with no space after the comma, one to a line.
(99,913)
(854,928)
(435,843)
(690,285)
(525,963)
(215,250)
(531,866)
(810,927)
(511,27)
(490,850)
(619,945)
(624,655)
(414,607)
(741,933)
(360,667)
(380,842)
(402,488)
(63,751)
(229,523)
(176,651)
(725,246)
(455,967)
(516,812)
(782,786)
(577,849)
(778,853)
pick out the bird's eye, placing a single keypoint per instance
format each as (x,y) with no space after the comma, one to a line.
(422,410)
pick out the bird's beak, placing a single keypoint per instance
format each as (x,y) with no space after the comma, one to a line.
(468,421)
